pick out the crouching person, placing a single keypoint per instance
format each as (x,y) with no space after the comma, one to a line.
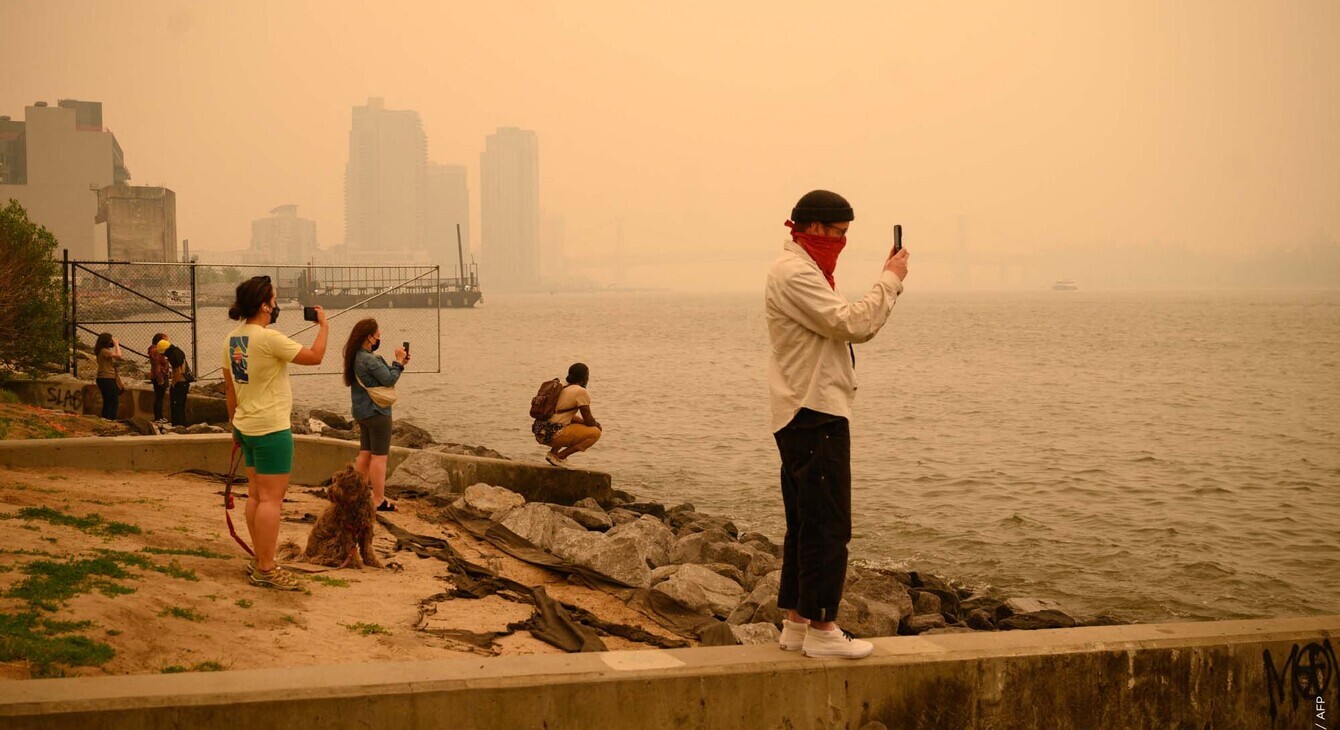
(572,426)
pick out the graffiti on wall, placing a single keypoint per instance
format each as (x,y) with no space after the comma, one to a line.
(64,397)
(1306,678)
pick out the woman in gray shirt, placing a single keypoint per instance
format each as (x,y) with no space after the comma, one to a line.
(363,370)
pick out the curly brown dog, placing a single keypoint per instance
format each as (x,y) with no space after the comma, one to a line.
(343,533)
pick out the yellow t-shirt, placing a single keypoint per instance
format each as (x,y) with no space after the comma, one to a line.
(258,359)
(570,400)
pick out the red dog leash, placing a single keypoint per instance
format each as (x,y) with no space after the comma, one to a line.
(234,460)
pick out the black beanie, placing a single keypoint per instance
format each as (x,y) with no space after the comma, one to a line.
(822,206)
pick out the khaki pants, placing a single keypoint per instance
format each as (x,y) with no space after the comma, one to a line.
(575,434)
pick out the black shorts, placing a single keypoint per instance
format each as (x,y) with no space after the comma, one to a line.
(374,434)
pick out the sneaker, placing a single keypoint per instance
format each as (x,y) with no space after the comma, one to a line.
(836,643)
(277,578)
(553,459)
(251,567)
(793,634)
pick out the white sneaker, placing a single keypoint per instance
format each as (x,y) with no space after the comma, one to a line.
(793,634)
(553,459)
(836,643)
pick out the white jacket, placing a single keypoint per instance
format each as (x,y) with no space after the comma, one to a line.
(809,326)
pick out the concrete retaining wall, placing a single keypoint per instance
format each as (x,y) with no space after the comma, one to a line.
(315,459)
(70,394)
(1229,674)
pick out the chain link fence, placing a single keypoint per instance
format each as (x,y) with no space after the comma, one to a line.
(189,304)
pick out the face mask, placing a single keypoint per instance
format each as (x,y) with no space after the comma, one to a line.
(274,315)
(375,345)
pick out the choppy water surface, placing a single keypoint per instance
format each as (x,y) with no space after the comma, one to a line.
(1153,456)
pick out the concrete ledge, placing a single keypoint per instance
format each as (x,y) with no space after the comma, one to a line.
(70,394)
(1227,674)
(315,459)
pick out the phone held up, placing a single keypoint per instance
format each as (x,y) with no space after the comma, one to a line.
(406,344)
(309,314)
(897,238)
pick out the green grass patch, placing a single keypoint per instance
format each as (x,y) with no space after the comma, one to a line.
(8,396)
(191,552)
(92,524)
(179,612)
(47,645)
(51,583)
(368,629)
(288,619)
(243,603)
(114,632)
(332,582)
(205,666)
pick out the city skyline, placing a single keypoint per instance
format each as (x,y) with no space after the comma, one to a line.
(1093,130)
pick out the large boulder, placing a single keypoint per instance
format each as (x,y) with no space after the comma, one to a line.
(864,616)
(331,419)
(693,547)
(726,570)
(421,475)
(926,622)
(539,524)
(759,633)
(879,586)
(981,619)
(655,509)
(409,436)
(732,553)
(690,522)
(1048,618)
(591,519)
(657,538)
(761,603)
(663,573)
(1031,605)
(483,501)
(621,558)
(702,590)
(762,542)
(925,602)
(621,516)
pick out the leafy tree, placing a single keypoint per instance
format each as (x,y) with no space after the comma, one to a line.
(32,309)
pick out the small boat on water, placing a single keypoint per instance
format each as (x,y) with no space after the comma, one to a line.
(1065,285)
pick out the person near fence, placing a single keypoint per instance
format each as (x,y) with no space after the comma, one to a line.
(160,375)
(108,351)
(576,430)
(260,401)
(363,370)
(179,384)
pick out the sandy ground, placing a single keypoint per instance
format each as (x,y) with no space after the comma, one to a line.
(240,626)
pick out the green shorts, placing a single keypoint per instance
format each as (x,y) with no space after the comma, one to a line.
(268,454)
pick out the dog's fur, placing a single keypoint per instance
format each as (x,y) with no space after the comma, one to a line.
(343,533)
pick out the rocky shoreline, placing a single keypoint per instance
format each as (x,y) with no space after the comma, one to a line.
(700,561)
(705,564)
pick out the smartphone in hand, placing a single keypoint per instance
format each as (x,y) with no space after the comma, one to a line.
(309,314)
(406,344)
(897,238)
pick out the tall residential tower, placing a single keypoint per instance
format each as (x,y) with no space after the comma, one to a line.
(384,182)
(509,198)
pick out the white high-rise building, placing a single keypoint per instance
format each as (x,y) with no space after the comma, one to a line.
(283,238)
(384,182)
(446,204)
(509,197)
(54,163)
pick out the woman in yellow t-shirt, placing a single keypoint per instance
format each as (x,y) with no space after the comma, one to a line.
(255,369)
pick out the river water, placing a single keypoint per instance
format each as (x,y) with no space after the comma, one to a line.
(1153,456)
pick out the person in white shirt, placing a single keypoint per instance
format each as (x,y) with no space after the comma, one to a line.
(812,379)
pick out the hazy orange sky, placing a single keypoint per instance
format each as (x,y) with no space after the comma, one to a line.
(1211,125)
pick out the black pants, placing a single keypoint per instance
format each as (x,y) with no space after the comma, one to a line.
(179,391)
(111,397)
(160,394)
(816,490)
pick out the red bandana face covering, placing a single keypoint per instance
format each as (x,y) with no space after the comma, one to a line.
(823,249)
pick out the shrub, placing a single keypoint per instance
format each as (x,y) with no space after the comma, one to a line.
(32,320)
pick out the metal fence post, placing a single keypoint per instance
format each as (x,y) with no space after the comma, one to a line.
(74,319)
(65,303)
(195,338)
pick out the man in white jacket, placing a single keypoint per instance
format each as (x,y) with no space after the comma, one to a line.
(812,378)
